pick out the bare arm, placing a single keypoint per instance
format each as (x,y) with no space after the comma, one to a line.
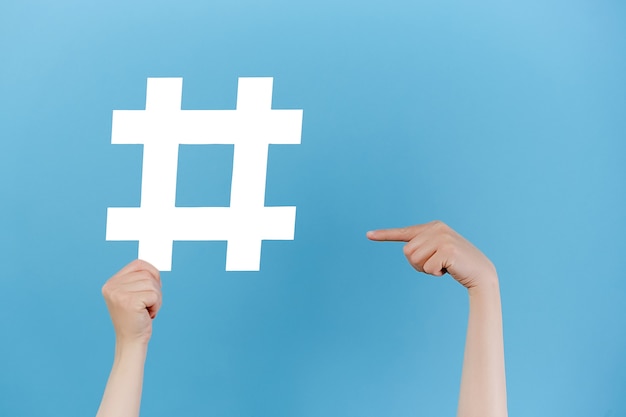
(483,383)
(133,297)
(436,249)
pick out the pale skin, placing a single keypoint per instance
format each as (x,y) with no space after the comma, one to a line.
(133,297)
(436,249)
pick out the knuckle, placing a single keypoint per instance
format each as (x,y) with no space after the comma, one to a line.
(107,289)
(430,265)
(439,225)
(416,261)
(139,263)
(407,250)
(152,298)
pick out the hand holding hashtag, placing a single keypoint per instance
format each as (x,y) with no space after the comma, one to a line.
(133,296)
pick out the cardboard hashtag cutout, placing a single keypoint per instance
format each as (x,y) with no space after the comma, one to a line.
(161,128)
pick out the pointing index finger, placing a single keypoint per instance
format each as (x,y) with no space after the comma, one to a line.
(402,234)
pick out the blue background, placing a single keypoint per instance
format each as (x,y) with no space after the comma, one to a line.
(504,119)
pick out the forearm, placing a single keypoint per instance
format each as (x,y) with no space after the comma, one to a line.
(122,395)
(483,383)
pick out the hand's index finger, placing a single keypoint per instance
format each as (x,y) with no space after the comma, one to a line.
(402,234)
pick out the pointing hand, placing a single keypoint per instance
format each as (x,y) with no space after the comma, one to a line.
(434,248)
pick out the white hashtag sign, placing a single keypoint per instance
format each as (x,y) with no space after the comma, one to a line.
(161,128)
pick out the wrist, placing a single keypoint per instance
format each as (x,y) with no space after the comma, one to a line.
(132,338)
(131,348)
(487,286)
